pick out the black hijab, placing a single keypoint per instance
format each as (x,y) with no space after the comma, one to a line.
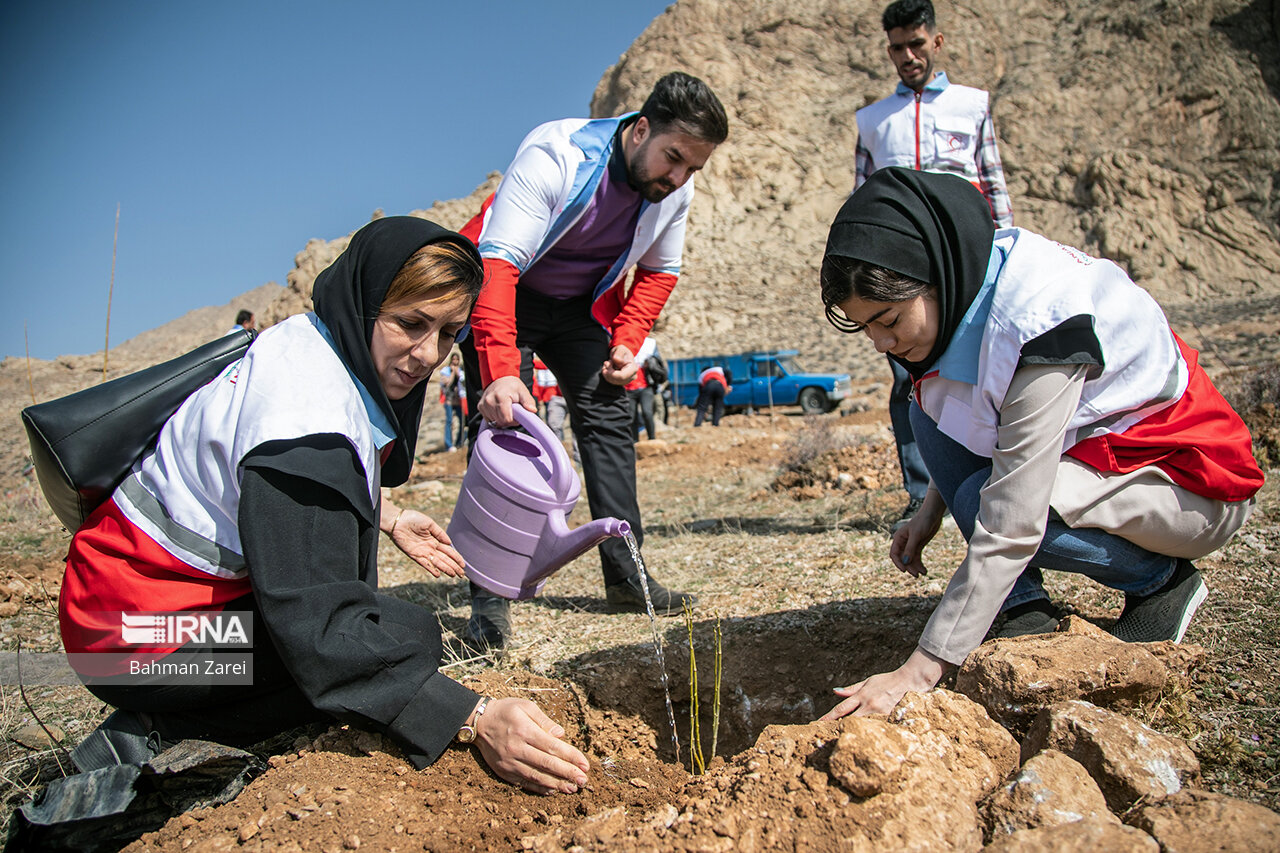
(932,227)
(348,296)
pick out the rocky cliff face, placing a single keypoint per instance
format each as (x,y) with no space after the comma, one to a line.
(1145,132)
(318,254)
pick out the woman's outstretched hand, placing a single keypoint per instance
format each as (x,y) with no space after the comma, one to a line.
(881,693)
(908,543)
(523,745)
(424,541)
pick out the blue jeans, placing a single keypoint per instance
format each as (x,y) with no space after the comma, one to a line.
(449,413)
(1106,558)
(915,476)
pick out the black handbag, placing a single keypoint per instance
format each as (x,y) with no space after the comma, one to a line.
(655,370)
(85,444)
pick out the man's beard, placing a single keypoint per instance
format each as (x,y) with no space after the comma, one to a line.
(651,190)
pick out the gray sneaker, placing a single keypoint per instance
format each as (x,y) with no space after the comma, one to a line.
(1166,613)
(1033,617)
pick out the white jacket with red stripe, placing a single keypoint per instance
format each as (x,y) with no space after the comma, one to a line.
(715,374)
(1040,285)
(1147,403)
(935,130)
(185,495)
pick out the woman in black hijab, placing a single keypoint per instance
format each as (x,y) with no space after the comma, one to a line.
(262,497)
(1063,423)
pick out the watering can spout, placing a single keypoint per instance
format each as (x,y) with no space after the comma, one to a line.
(564,545)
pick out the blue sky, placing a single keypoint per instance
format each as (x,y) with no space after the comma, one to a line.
(231,132)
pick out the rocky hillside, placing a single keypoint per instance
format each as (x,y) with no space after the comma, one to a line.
(318,254)
(1143,131)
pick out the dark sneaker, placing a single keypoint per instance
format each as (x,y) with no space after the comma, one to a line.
(125,737)
(628,597)
(1166,613)
(1032,617)
(913,506)
(490,623)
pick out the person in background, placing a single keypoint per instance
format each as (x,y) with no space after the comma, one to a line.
(932,124)
(1063,422)
(640,393)
(713,384)
(546,390)
(668,395)
(244,322)
(263,495)
(586,204)
(451,391)
(544,386)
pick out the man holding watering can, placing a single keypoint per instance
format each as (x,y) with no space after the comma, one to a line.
(585,202)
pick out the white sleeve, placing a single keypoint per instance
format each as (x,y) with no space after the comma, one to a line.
(523,208)
(665,253)
(648,348)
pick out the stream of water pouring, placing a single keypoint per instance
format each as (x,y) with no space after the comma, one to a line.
(634,548)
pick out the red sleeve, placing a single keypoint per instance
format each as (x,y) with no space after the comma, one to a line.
(476,224)
(634,318)
(493,322)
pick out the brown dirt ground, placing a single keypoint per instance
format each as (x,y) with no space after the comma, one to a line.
(796,577)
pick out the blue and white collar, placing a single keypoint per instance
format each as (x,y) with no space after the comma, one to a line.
(384,432)
(960,360)
(937,84)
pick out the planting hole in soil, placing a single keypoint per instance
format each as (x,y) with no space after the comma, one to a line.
(777,669)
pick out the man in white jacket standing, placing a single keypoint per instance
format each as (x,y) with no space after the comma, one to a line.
(934,125)
(584,203)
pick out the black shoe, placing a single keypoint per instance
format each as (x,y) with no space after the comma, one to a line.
(628,597)
(490,623)
(125,737)
(1165,614)
(1038,616)
(913,506)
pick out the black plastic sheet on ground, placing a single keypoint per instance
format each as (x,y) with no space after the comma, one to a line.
(105,809)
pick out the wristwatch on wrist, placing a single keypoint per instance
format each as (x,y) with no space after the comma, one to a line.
(467,734)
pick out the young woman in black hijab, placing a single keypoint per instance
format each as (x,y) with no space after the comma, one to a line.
(263,496)
(1063,423)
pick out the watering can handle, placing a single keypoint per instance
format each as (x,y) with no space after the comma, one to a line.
(562,473)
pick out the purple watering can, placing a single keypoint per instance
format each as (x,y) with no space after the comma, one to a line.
(509,522)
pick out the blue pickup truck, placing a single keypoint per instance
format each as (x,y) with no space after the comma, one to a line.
(761,379)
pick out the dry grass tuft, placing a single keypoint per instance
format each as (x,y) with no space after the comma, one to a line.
(817,437)
(1171,711)
(1256,396)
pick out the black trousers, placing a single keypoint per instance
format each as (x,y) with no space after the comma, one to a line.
(710,395)
(574,347)
(642,405)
